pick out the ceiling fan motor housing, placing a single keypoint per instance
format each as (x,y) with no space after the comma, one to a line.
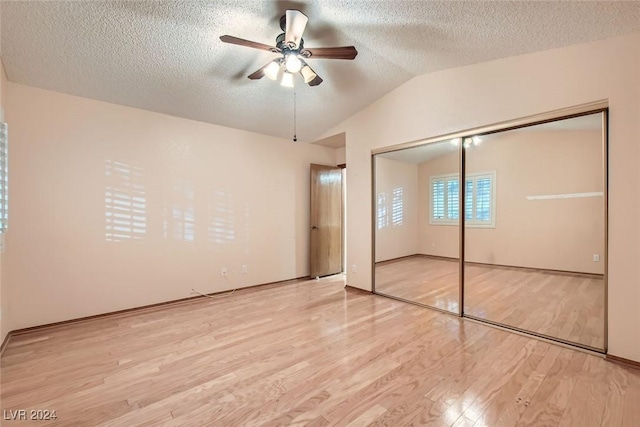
(282,45)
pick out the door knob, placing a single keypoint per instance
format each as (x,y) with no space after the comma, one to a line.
(314,227)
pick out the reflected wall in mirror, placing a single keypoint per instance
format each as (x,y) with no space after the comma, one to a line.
(416,223)
(535,229)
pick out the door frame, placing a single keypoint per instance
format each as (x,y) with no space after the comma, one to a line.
(313,227)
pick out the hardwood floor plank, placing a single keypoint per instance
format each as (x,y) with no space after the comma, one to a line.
(309,353)
(367,417)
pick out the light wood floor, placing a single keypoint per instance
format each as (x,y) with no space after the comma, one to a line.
(309,353)
(565,306)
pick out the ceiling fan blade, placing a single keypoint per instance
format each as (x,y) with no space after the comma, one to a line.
(296,22)
(271,70)
(256,75)
(345,52)
(316,81)
(248,43)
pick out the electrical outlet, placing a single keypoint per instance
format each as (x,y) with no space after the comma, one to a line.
(223,271)
(354,269)
(596,257)
(244,269)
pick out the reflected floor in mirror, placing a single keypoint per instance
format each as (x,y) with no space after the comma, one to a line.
(424,280)
(562,305)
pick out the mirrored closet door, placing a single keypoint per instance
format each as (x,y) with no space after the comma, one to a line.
(533,201)
(416,223)
(535,229)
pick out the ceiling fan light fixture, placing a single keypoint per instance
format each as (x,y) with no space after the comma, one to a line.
(272,70)
(287,79)
(292,52)
(307,73)
(293,63)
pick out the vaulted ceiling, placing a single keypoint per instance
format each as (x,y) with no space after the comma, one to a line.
(166,56)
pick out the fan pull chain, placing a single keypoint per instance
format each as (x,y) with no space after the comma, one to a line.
(295,137)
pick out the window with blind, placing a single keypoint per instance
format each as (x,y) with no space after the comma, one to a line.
(479,204)
(4,177)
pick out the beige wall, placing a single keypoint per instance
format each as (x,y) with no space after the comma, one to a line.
(341,156)
(395,239)
(556,234)
(4,300)
(438,240)
(3,83)
(492,92)
(249,195)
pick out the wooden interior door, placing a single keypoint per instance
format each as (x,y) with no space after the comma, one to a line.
(325,221)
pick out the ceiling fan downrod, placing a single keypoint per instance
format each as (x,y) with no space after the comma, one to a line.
(295,136)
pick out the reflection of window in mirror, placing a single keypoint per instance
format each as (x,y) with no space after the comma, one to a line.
(479,199)
(383,216)
(395,210)
(397,207)
(453,206)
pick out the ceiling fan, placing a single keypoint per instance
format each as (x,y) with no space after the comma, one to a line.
(291,45)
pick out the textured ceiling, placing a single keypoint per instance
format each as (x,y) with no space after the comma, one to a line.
(167,57)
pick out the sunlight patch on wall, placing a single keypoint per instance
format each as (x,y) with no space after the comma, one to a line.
(125,202)
(4,180)
(222,226)
(179,212)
